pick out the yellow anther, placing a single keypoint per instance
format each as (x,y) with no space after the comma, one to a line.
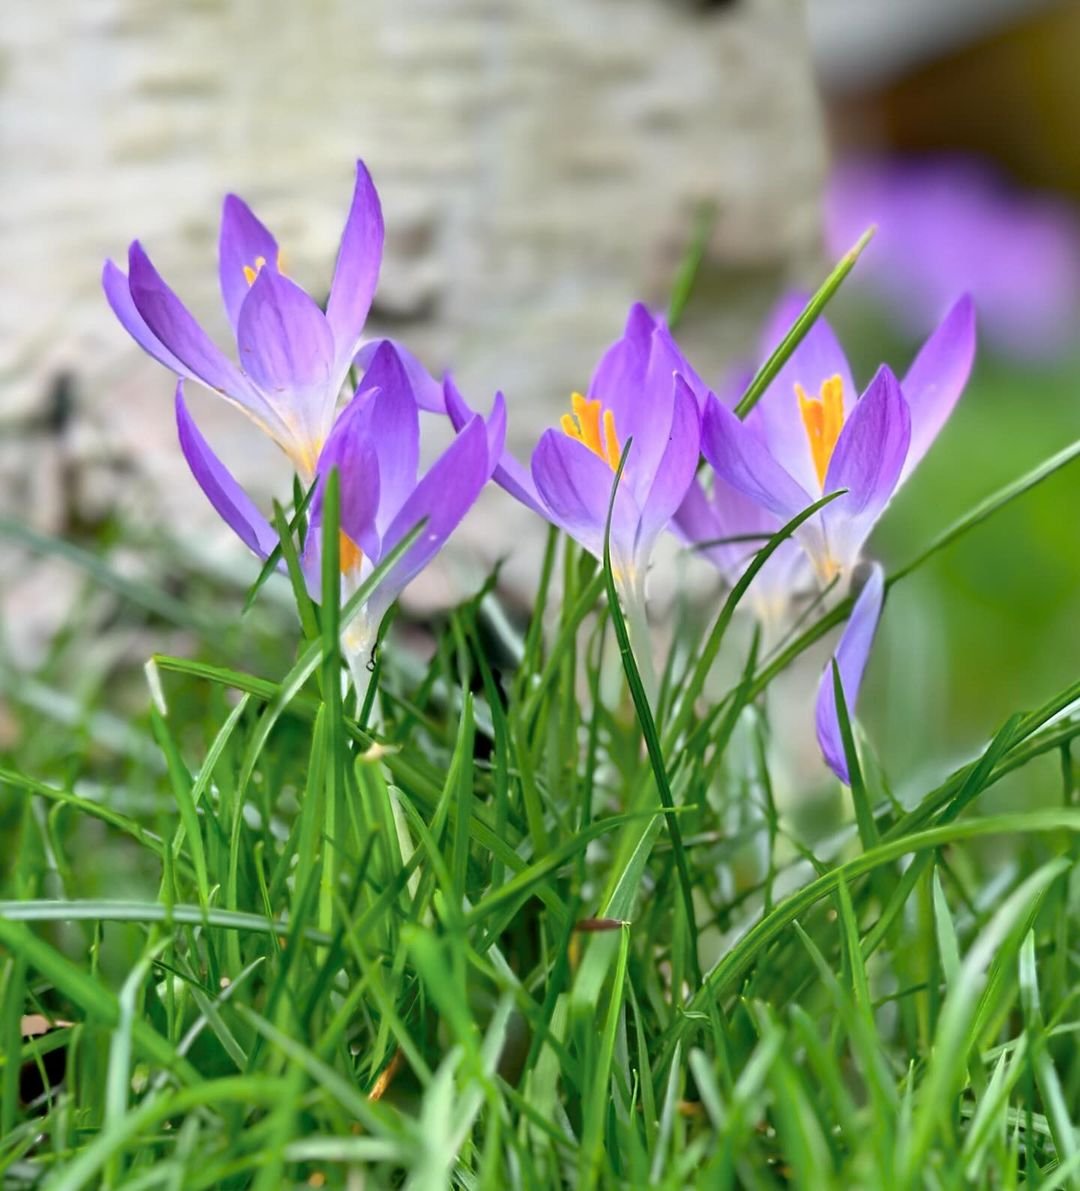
(250,273)
(823,419)
(593,428)
(349,553)
(611,441)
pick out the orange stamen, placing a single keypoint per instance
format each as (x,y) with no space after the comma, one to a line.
(349,553)
(251,272)
(593,428)
(823,419)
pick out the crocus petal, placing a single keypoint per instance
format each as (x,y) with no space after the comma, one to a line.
(509,472)
(867,461)
(287,349)
(230,501)
(244,244)
(695,519)
(737,527)
(390,421)
(443,497)
(357,270)
(851,657)
(937,377)
(575,485)
(118,294)
(676,469)
(625,360)
(351,449)
(818,357)
(668,357)
(742,460)
(634,381)
(495,424)
(169,321)
(427,391)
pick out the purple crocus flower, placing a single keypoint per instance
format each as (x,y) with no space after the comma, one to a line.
(375,446)
(728,529)
(293,357)
(950,225)
(851,657)
(642,389)
(807,436)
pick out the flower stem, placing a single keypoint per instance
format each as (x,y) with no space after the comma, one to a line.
(637,623)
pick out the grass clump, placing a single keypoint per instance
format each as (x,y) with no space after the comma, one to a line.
(534,916)
(491,939)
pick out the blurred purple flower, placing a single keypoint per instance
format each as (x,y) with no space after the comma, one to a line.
(375,446)
(643,389)
(851,657)
(807,437)
(950,225)
(293,357)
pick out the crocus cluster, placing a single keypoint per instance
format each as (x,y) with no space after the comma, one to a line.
(293,360)
(645,410)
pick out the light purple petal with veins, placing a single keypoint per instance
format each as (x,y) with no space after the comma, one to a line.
(851,657)
(389,420)
(740,458)
(427,391)
(351,450)
(357,270)
(495,425)
(867,461)
(635,382)
(171,324)
(818,357)
(674,360)
(575,485)
(675,470)
(287,349)
(937,377)
(736,527)
(243,243)
(118,293)
(229,500)
(443,496)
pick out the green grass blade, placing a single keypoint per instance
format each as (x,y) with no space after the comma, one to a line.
(695,684)
(766,374)
(92,997)
(690,265)
(720,978)
(648,729)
